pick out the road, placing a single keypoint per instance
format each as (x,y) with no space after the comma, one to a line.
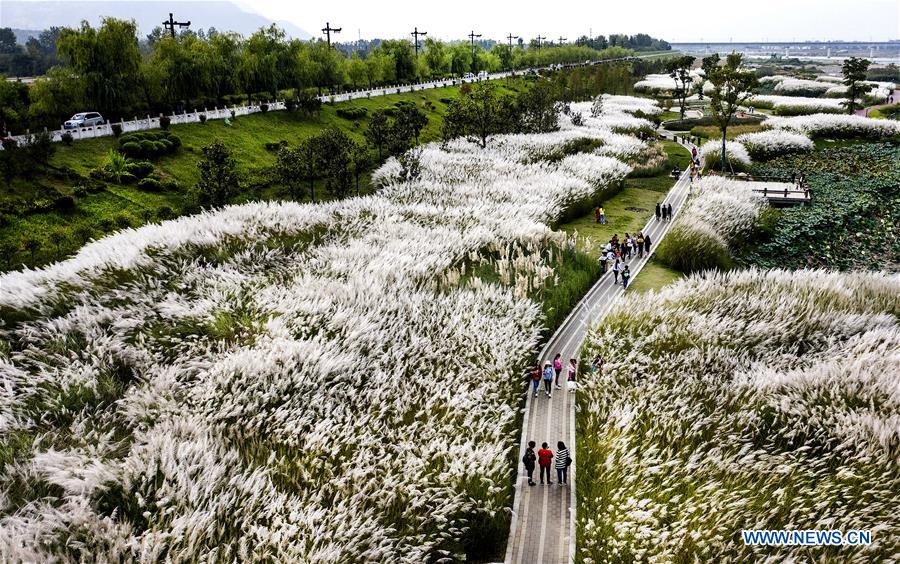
(543,524)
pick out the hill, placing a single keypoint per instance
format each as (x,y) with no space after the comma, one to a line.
(220,15)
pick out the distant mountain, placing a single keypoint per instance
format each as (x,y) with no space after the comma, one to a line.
(22,35)
(222,15)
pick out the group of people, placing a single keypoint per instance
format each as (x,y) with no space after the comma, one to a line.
(552,371)
(696,166)
(600,215)
(615,254)
(545,459)
(663,212)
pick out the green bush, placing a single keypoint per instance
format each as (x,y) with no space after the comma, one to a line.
(164,122)
(150,185)
(139,169)
(67,139)
(148,144)
(689,248)
(131,148)
(352,114)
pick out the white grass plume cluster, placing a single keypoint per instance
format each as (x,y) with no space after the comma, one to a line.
(286,382)
(881,89)
(734,151)
(827,125)
(762,145)
(799,85)
(740,401)
(800,103)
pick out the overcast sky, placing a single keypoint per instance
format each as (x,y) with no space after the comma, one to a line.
(709,20)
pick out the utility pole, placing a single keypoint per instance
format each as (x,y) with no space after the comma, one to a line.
(510,37)
(171,23)
(562,39)
(416,33)
(328,30)
(472,37)
(540,38)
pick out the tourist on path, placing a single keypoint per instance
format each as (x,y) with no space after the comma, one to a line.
(535,378)
(640,245)
(562,463)
(647,244)
(548,378)
(528,460)
(657,211)
(602,215)
(626,275)
(602,261)
(545,458)
(669,212)
(617,267)
(557,367)
(573,370)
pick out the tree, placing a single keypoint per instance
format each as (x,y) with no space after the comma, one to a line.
(732,87)
(708,64)
(679,69)
(360,159)
(106,61)
(854,70)
(539,108)
(8,44)
(309,163)
(32,245)
(289,167)
(378,132)
(333,147)
(356,71)
(409,122)
(477,114)
(436,58)
(403,56)
(218,179)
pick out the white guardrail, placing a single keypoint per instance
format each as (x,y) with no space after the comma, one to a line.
(105,130)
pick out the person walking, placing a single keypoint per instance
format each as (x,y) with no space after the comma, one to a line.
(626,275)
(562,463)
(528,460)
(557,367)
(640,245)
(669,213)
(610,259)
(545,458)
(535,378)
(573,371)
(602,215)
(617,267)
(597,213)
(647,244)
(548,378)
(657,211)
(602,261)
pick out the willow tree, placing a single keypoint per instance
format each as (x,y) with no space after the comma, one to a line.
(106,60)
(732,87)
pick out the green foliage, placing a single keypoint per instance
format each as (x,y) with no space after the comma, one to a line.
(679,69)
(854,71)
(478,113)
(352,113)
(218,179)
(852,221)
(148,144)
(732,87)
(150,185)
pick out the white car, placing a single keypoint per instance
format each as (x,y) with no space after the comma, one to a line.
(482,74)
(84,119)
(468,75)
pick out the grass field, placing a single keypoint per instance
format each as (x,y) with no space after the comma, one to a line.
(712,132)
(116,206)
(653,276)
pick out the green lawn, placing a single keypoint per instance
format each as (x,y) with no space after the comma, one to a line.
(653,276)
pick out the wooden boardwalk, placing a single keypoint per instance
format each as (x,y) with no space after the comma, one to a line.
(543,523)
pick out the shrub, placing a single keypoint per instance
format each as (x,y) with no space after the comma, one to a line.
(150,185)
(165,212)
(290,104)
(264,108)
(275,146)
(139,169)
(80,191)
(148,144)
(203,118)
(64,203)
(353,113)
(106,224)
(67,139)
(131,149)
(122,221)
(164,122)
(116,129)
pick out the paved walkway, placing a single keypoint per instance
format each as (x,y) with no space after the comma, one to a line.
(543,524)
(865,111)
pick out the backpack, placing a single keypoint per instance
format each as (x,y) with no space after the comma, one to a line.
(568,461)
(529,458)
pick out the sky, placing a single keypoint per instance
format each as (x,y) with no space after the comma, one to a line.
(706,20)
(674,21)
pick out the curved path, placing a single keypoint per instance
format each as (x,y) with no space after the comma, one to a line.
(543,522)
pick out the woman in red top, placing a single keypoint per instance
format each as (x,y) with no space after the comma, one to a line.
(545,458)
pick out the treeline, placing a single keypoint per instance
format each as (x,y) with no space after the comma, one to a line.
(109,70)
